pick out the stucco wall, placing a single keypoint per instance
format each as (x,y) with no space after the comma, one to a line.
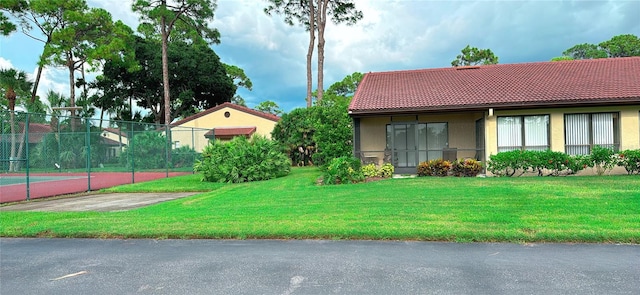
(629,125)
(215,120)
(461,131)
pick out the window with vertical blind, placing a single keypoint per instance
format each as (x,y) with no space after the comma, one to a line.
(523,133)
(584,131)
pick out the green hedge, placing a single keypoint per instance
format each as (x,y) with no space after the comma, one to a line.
(243,160)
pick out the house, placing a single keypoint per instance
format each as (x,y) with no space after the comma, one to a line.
(116,140)
(406,117)
(221,122)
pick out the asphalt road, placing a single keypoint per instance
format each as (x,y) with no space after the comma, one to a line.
(84,266)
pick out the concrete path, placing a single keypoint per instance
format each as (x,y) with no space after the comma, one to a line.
(79,266)
(96,202)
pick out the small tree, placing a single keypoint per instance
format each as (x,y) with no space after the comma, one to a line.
(473,56)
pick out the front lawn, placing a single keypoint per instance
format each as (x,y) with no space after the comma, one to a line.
(532,209)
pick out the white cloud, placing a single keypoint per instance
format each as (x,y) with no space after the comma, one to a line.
(5,64)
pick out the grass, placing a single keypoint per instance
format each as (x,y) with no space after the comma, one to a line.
(533,209)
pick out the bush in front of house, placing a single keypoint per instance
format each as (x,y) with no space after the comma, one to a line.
(436,167)
(602,159)
(630,160)
(466,168)
(342,170)
(370,170)
(386,170)
(243,160)
(544,163)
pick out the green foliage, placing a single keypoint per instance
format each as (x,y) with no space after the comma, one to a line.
(619,46)
(602,159)
(334,133)
(343,170)
(270,107)
(147,150)
(630,160)
(387,170)
(473,56)
(466,167)
(242,160)
(540,162)
(295,132)
(436,167)
(183,156)
(370,170)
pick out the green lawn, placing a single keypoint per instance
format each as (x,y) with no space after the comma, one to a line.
(531,209)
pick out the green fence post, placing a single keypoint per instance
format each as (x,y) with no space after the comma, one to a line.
(167,149)
(88,143)
(132,154)
(26,126)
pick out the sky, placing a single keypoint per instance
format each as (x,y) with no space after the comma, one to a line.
(393,35)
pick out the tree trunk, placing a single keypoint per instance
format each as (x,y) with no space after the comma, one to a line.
(72,91)
(35,84)
(322,22)
(165,72)
(312,40)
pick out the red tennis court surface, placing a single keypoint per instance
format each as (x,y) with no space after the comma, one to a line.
(74,183)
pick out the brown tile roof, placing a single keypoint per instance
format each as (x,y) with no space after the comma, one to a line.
(229,132)
(229,105)
(36,131)
(597,81)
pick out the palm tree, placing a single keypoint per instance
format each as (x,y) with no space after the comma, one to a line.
(14,84)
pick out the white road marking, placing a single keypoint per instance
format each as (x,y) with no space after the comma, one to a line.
(294,284)
(70,275)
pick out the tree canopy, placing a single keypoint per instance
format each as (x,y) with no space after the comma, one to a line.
(203,82)
(618,46)
(471,56)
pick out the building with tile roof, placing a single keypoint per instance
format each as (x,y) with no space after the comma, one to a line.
(406,117)
(221,122)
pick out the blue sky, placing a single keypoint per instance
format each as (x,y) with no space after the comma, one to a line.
(393,35)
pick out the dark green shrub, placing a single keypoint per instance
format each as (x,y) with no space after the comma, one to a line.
(342,170)
(602,159)
(242,160)
(506,163)
(148,151)
(183,156)
(630,160)
(466,168)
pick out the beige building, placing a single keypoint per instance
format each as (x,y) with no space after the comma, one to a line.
(406,117)
(222,122)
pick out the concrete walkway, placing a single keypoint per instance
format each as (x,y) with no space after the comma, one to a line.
(97,202)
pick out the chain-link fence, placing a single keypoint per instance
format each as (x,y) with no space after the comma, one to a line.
(36,145)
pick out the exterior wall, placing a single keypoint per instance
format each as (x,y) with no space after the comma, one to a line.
(629,125)
(115,150)
(461,133)
(205,123)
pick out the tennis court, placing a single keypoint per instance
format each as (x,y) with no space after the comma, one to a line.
(13,187)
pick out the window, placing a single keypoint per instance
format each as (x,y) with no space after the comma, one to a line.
(583,131)
(523,133)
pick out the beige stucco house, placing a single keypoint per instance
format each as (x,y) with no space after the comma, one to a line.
(406,117)
(222,122)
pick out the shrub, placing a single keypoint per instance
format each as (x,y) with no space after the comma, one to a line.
(438,167)
(550,162)
(343,170)
(243,160)
(424,169)
(387,170)
(630,160)
(506,163)
(370,170)
(602,159)
(466,167)
(147,150)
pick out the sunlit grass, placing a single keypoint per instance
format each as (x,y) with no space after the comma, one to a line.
(533,209)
